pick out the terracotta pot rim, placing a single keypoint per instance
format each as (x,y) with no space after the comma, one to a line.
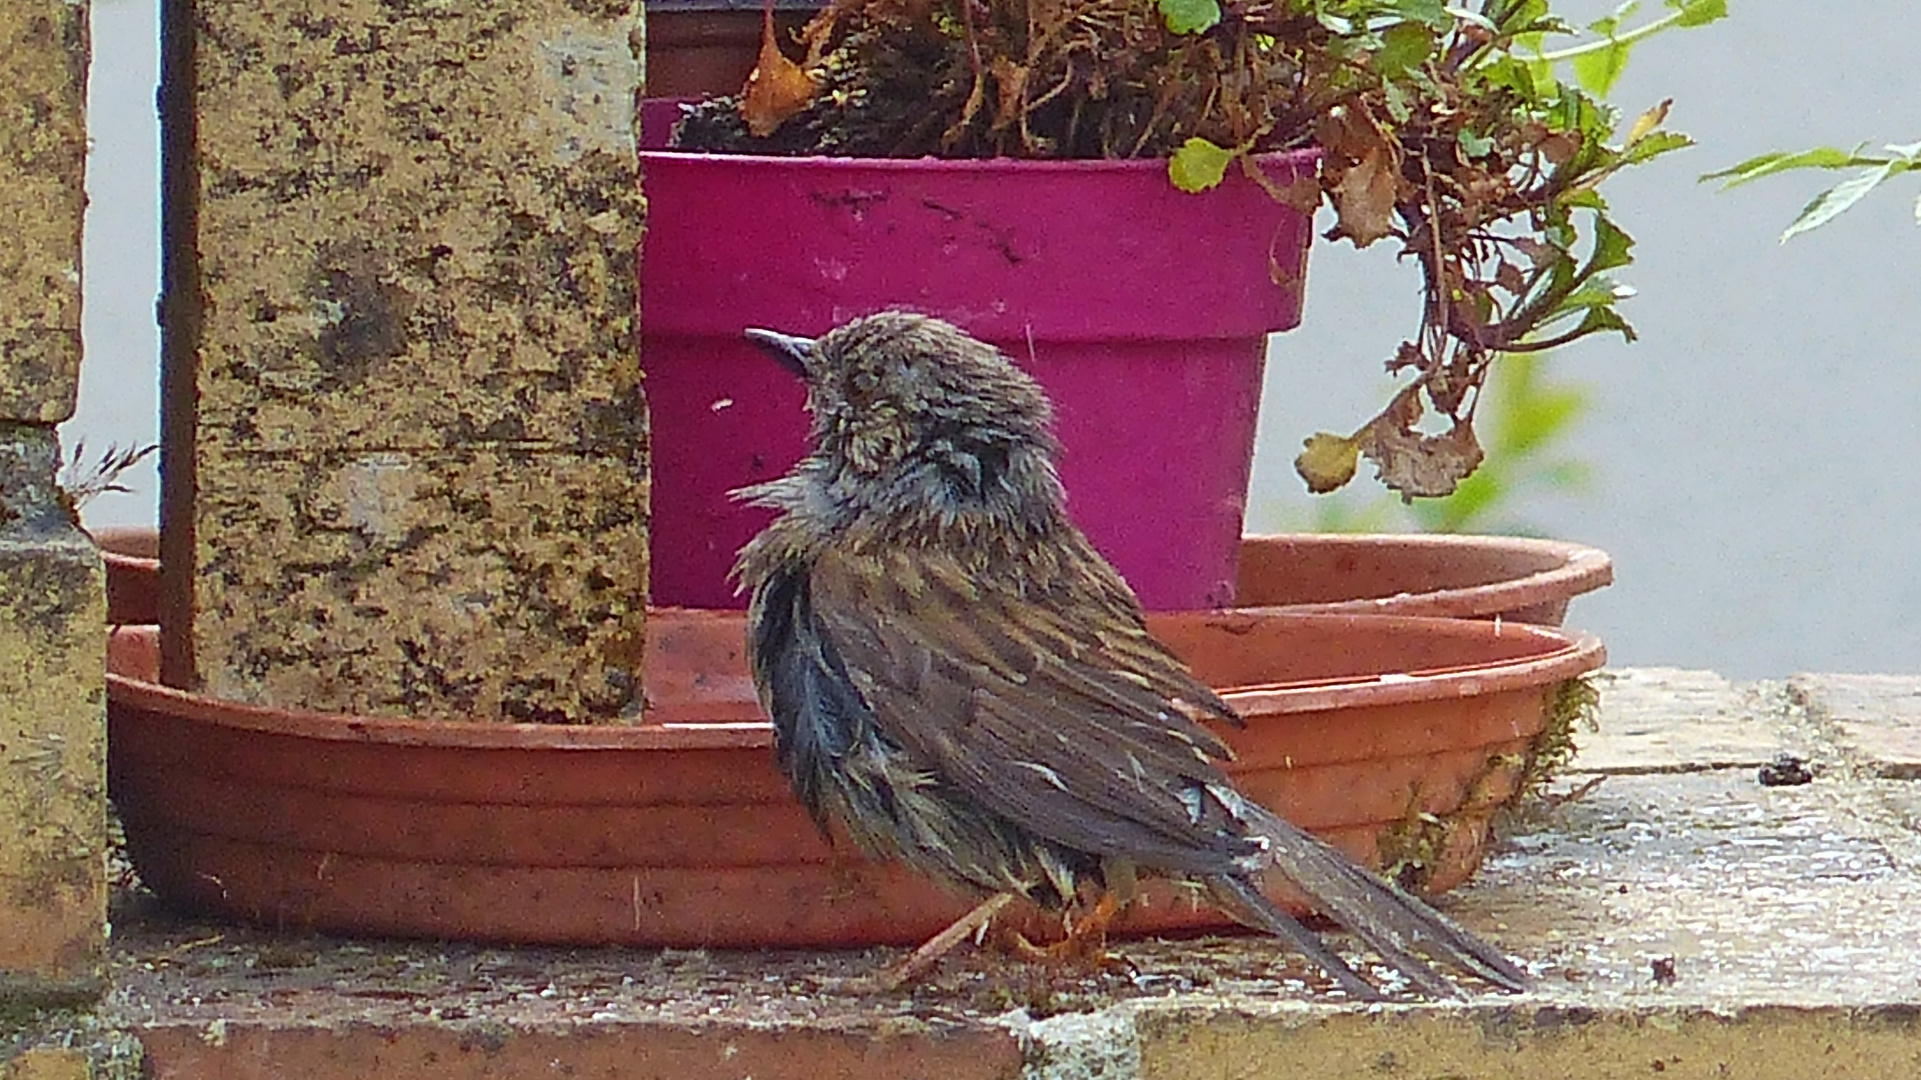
(1566,654)
(1575,569)
(119,544)
(1302,158)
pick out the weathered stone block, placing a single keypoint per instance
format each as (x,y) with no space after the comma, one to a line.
(417,223)
(43,149)
(405,448)
(47,1063)
(1877,718)
(1674,720)
(52,724)
(486,583)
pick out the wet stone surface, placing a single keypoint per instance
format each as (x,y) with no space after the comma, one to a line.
(1691,886)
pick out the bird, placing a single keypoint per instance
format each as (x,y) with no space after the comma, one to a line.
(959,681)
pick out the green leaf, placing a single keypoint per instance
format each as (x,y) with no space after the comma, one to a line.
(1399,107)
(1598,71)
(1600,319)
(1432,12)
(1754,168)
(1541,75)
(1537,416)
(1474,145)
(1510,72)
(1596,294)
(1698,12)
(1824,207)
(1526,13)
(1404,46)
(1467,15)
(1584,199)
(1198,165)
(1653,145)
(1189,16)
(1611,246)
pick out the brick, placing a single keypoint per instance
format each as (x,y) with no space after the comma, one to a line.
(405,282)
(1529,1041)
(239,1050)
(43,142)
(52,724)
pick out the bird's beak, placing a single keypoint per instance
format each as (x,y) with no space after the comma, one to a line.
(792,352)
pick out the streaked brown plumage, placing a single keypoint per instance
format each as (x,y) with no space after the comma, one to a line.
(960,680)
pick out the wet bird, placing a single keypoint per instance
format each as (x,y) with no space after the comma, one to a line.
(960,681)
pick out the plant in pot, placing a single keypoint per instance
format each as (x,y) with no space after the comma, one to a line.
(967,157)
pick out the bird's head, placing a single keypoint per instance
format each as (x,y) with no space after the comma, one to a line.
(911,405)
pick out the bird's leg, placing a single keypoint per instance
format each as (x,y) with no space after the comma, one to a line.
(1085,945)
(922,960)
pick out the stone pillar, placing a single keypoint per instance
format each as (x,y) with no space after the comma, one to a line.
(47,1064)
(52,594)
(405,445)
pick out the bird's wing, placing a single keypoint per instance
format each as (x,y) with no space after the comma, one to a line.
(1068,719)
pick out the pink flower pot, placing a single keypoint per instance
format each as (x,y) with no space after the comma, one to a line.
(1142,309)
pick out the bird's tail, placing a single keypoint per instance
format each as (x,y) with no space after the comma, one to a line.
(1389,919)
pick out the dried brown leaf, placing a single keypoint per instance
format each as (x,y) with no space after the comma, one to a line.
(1010,83)
(1560,149)
(777,89)
(1303,193)
(1417,464)
(1508,276)
(1364,198)
(1407,355)
(1648,121)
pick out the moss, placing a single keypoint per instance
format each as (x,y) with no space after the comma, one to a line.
(1573,704)
(1412,848)
(28,1005)
(81,1038)
(41,1015)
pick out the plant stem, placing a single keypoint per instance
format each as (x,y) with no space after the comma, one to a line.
(1613,40)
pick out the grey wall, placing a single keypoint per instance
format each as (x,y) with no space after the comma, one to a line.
(1758,451)
(1757,454)
(120,378)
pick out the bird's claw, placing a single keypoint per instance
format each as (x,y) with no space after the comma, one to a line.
(1084,948)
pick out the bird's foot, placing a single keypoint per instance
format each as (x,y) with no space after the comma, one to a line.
(1084,948)
(918,963)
